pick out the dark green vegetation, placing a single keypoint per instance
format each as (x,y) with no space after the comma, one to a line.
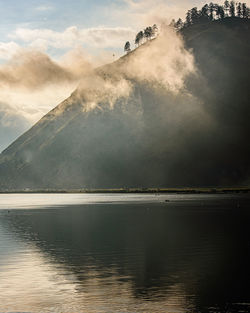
(209,12)
(213,12)
(153,138)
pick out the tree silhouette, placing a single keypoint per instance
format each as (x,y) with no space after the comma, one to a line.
(172,23)
(194,15)
(232,9)
(154,30)
(220,12)
(127,47)
(148,32)
(204,13)
(238,9)
(188,18)
(211,10)
(139,38)
(216,9)
(179,24)
(226,7)
(245,10)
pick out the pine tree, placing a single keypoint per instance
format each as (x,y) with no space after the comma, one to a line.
(220,12)
(226,7)
(232,9)
(172,23)
(188,18)
(204,11)
(194,15)
(211,11)
(127,47)
(139,38)
(239,11)
(148,32)
(216,10)
(154,30)
(179,24)
(244,10)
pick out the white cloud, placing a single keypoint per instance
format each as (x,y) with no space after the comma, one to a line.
(99,37)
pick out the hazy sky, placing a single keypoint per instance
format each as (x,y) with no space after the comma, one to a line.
(59,25)
(46,45)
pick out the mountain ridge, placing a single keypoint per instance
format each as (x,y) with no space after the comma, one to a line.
(150,137)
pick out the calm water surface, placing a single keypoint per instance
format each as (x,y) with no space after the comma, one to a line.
(124,253)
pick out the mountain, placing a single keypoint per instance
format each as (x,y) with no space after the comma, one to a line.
(123,127)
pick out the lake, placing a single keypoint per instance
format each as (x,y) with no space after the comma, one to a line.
(124,253)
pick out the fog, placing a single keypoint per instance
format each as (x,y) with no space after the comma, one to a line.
(171,113)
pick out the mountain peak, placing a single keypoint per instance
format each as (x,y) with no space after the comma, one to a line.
(174,112)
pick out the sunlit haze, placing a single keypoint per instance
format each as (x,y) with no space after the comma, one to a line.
(45,47)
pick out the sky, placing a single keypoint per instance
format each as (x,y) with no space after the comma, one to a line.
(57,26)
(45,47)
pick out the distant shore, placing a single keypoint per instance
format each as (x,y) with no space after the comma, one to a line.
(187,190)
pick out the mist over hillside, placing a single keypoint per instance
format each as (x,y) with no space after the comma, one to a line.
(174,112)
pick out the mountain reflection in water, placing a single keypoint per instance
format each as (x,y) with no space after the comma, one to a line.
(125,254)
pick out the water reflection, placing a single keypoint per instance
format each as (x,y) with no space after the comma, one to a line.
(188,256)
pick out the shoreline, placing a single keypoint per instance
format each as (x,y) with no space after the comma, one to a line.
(207,190)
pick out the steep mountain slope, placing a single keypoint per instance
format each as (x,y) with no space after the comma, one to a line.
(135,131)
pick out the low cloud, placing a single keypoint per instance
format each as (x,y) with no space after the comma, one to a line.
(32,69)
(31,84)
(164,61)
(96,91)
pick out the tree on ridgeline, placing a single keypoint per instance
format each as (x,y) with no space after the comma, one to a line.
(188,18)
(214,11)
(204,12)
(139,37)
(179,24)
(127,48)
(238,10)
(154,30)
(220,12)
(232,9)
(211,11)
(245,11)
(172,23)
(148,32)
(226,8)
(194,15)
